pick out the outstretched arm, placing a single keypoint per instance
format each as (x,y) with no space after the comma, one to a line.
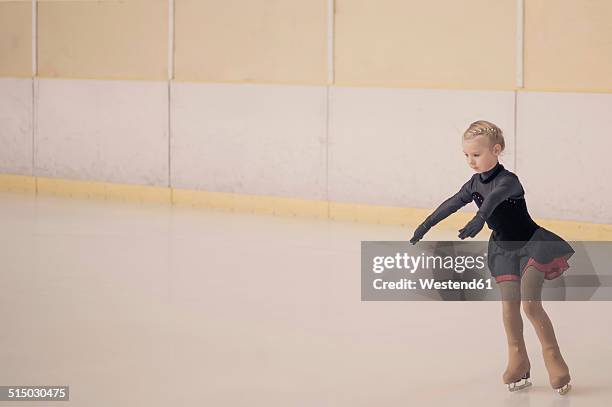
(446,208)
(508,186)
(450,206)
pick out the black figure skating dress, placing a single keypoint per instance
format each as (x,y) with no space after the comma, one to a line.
(516,242)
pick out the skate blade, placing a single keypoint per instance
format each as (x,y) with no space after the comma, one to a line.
(563,390)
(516,386)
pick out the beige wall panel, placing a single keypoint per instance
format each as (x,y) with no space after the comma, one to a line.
(439,43)
(108,39)
(251,41)
(567,45)
(15,38)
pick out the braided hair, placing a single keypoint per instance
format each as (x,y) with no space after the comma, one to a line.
(487,129)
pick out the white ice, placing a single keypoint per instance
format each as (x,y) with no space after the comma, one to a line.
(150,305)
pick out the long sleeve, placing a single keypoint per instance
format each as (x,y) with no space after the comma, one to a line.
(450,206)
(507,187)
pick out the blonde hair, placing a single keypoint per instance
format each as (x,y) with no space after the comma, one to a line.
(484,128)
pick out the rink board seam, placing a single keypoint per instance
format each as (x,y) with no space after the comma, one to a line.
(373,85)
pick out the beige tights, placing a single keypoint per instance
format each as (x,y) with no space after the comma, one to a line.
(529,291)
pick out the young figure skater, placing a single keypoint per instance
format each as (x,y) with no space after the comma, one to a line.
(521,254)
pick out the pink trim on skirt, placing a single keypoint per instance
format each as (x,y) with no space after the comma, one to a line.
(506,277)
(551,270)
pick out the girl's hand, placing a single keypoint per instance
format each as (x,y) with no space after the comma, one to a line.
(472,228)
(419,233)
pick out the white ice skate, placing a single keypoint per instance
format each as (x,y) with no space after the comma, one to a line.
(563,390)
(520,384)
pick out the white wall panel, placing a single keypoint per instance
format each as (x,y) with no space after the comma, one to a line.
(251,139)
(402,147)
(563,146)
(113,131)
(16,126)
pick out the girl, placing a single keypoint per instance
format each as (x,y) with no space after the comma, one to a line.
(521,254)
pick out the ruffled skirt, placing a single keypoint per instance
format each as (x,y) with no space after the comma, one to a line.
(545,251)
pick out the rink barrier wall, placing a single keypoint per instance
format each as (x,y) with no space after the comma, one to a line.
(271,205)
(17,183)
(278,206)
(102,190)
(343,144)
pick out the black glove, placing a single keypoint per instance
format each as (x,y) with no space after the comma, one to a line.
(472,228)
(419,233)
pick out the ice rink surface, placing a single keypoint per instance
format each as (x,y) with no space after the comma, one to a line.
(151,305)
